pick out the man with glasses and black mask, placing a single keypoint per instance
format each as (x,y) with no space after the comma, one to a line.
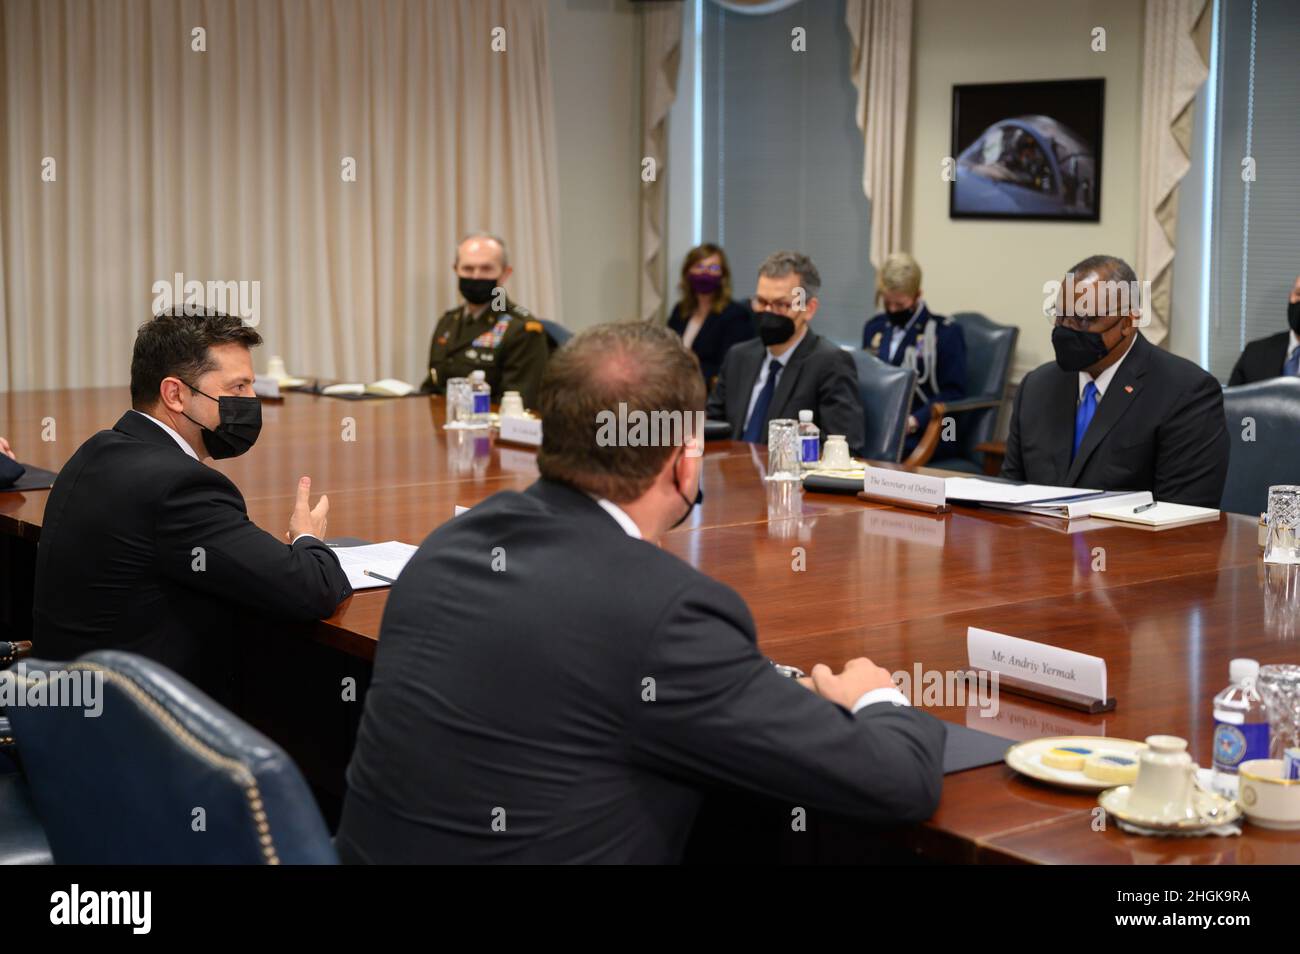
(787,368)
(1114,412)
(488,332)
(147,549)
(552,686)
(1275,356)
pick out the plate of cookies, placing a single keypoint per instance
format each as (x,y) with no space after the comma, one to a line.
(1085,763)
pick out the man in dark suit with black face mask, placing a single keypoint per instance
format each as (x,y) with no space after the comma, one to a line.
(147,549)
(787,368)
(1114,412)
(1275,356)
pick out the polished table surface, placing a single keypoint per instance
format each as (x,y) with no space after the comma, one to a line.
(1167,612)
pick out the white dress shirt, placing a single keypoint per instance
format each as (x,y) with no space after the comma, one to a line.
(784,359)
(1102,380)
(1295,343)
(883,694)
(184,444)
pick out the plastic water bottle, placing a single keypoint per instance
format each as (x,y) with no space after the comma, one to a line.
(1240,723)
(481,396)
(809,441)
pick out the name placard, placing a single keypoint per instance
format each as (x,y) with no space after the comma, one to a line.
(521,430)
(1050,672)
(909,490)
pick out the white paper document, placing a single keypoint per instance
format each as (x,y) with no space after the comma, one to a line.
(386,559)
(975,490)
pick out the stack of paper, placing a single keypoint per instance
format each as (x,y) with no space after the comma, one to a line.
(386,559)
(1068,503)
(388,387)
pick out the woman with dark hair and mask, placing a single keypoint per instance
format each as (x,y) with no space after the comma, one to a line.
(707,317)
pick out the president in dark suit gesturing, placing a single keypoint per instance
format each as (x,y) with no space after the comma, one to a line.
(1114,412)
(146,548)
(551,686)
(787,368)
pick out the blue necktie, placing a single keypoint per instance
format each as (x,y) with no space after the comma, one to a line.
(1292,366)
(755,431)
(1083,416)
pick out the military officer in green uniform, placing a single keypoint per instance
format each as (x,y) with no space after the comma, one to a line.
(488,332)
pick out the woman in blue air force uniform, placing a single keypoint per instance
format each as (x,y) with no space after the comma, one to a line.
(907,334)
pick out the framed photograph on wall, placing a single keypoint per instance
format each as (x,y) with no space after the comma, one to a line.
(1027,150)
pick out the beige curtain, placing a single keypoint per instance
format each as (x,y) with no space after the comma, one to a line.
(880,32)
(1174,56)
(661,41)
(227,165)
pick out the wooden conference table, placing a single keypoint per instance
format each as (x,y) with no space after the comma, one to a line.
(1168,612)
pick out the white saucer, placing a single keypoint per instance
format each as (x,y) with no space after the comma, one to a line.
(1212,811)
(1026,758)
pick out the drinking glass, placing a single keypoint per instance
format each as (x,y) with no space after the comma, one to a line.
(459,400)
(783,450)
(1283,544)
(1279,687)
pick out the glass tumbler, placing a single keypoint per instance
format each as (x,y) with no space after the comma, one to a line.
(1279,687)
(1283,541)
(783,450)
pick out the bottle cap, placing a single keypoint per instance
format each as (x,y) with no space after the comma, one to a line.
(477,376)
(805,417)
(1240,669)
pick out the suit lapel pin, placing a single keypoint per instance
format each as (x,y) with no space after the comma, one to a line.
(1128,389)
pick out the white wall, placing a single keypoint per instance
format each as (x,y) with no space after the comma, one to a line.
(996,267)
(594,48)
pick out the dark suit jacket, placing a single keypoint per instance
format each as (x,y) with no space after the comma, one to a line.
(584,716)
(820,377)
(719,332)
(116,566)
(1262,359)
(1167,434)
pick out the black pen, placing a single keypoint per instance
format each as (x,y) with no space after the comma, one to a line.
(1144,507)
(378,576)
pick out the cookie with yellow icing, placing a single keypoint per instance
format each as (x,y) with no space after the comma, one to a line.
(1067,757)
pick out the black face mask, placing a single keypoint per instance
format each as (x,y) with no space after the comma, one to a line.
(1077,350)
(241,422)
(1293,315)
(699,499)
(477,291)
(899,317)
(774,329)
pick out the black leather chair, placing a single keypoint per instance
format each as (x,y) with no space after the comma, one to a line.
(990,348)
(131,785)
(556,333)
(886,393)
(22,837)
(1273,457)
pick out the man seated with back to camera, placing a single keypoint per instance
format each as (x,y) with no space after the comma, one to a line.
(508,718)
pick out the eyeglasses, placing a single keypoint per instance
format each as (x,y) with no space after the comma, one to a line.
(1080,322)
(707,269)
(782,307)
